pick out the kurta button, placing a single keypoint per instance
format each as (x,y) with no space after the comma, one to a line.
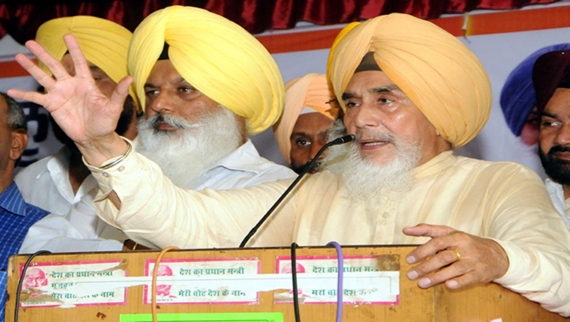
(106,175)
(121,168)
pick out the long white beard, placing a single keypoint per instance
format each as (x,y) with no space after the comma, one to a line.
(185,154)
(367,182)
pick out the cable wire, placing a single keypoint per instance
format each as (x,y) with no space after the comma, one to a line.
(340,290)
(154,278)
(21,281)
(294,280)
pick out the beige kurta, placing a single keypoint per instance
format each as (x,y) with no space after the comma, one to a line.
(503,201)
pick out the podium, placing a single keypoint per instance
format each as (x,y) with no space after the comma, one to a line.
(252,284)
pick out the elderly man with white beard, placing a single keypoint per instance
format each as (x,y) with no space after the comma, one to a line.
(411,93)
(197,122)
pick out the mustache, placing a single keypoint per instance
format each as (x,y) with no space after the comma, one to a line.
(177,122)
(388,137)
(558,148)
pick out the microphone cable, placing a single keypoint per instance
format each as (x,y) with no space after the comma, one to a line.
(154,280)
(341,140)
(21,281)
(340,290)
(294,280)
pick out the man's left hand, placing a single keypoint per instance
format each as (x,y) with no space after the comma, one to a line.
(455,258)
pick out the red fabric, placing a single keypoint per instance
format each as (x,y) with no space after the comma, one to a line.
(21,20)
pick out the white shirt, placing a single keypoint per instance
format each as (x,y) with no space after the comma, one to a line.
(556,193)
(46,185)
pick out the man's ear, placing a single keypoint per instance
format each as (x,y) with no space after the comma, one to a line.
(19,143)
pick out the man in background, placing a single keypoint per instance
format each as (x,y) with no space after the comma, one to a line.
(518,104)
(16,215)
(302,129)
(61,183)
(551,78)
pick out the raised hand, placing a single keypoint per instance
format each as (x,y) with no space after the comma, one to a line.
(455,258)
(85,114)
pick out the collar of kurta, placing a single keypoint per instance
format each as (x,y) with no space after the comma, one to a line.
(440,162)
(245,158)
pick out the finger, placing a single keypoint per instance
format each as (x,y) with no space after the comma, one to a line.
(433,265)
(121,91)
(35,97)
(462,281)
(79,60)
(51,63)
(454,276)
(433,246)
(426,230)
(39,75)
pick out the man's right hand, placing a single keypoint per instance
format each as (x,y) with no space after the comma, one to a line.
(85,114)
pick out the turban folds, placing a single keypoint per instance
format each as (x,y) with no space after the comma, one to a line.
(311,90)
(439,74)
(551,71)
(104,43)
(340,35)
(518,95)
(216,56)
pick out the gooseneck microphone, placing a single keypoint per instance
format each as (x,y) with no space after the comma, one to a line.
(341,140)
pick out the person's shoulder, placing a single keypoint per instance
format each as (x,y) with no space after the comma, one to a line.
(501,168)
(265,165)
(34,169)
(35,210)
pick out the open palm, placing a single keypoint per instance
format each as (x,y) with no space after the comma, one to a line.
(76,104)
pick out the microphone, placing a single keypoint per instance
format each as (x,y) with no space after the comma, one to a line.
(341,140)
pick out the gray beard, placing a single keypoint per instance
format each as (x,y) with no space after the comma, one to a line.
(185,155)
(368,183)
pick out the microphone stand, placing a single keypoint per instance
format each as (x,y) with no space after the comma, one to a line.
(341,140)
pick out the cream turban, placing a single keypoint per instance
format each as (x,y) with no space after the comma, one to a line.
(104,43)
(311,90)
(439,74)
(216,56)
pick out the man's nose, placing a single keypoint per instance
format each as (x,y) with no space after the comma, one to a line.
(162,104)
(365,116)
(563,134)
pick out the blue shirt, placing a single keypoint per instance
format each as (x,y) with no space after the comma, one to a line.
(16,216)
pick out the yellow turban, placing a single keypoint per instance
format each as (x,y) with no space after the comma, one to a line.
(340,35)
(104,43)
(215,55)
(311,90)
(439,74)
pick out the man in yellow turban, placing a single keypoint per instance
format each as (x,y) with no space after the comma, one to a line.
(205,85)
(61,183)
(411,93)
(302,129)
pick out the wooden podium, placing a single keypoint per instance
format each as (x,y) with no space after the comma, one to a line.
(95,287)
